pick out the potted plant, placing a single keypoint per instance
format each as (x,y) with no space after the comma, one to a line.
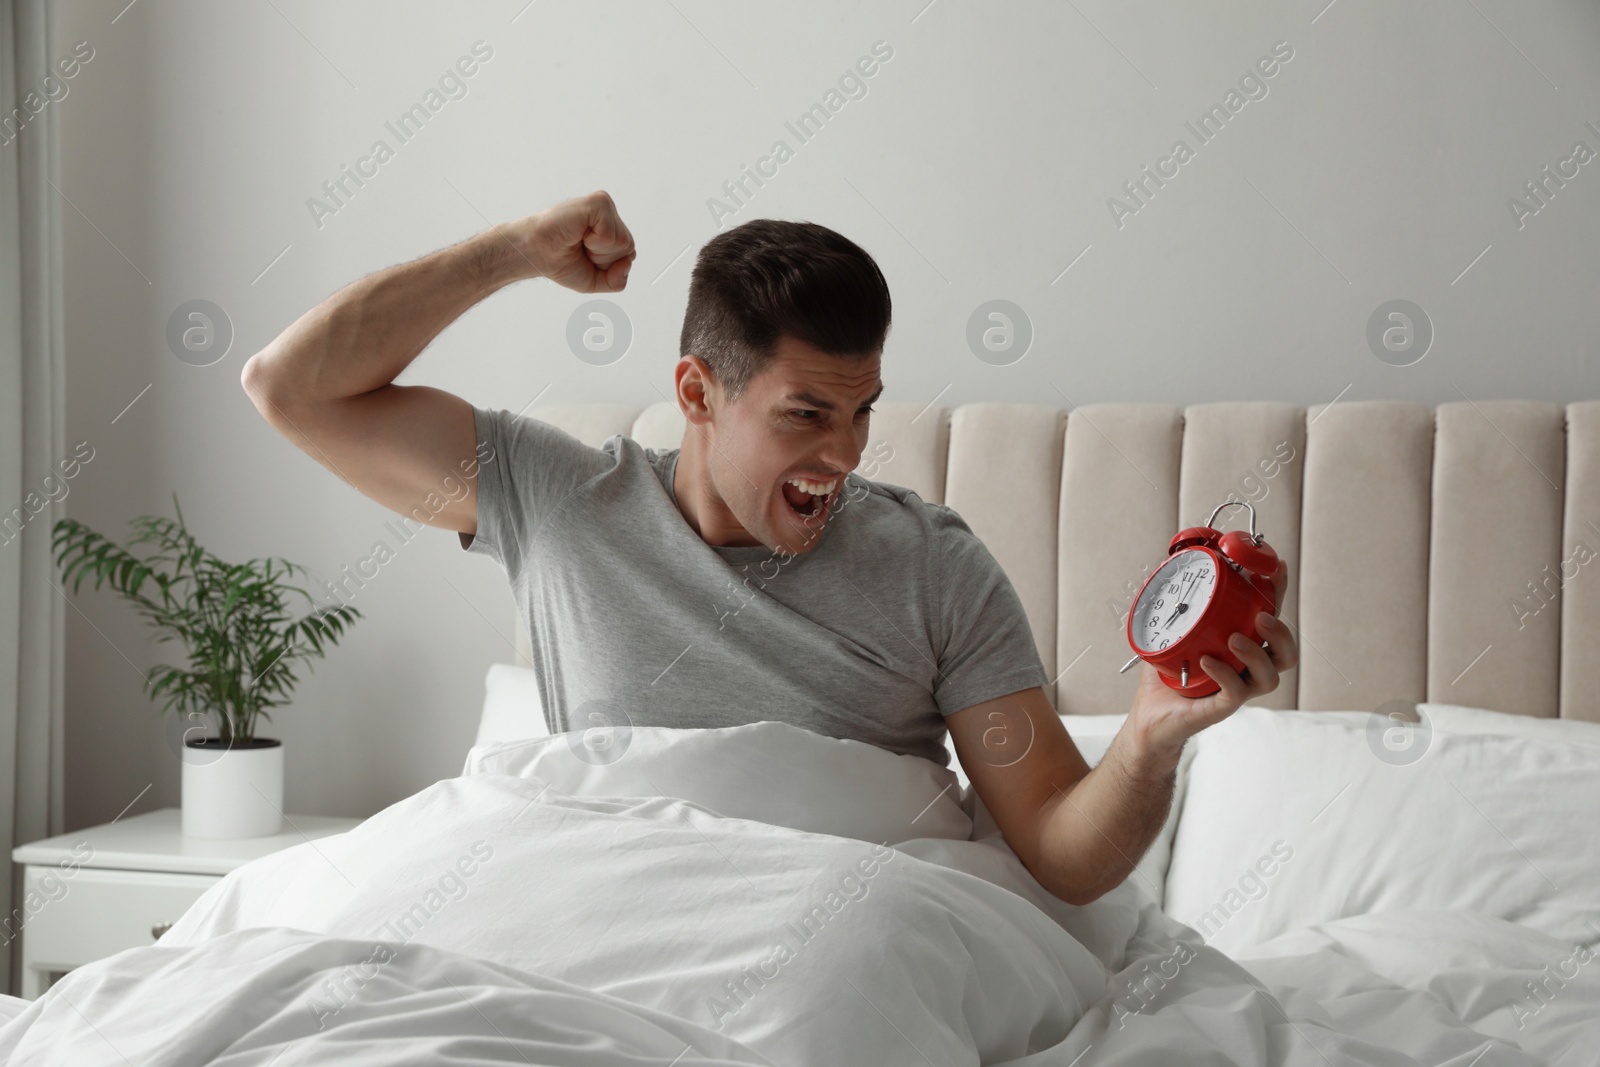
(242,642)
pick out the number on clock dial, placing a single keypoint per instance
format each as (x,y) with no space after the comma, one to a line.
(1174,599)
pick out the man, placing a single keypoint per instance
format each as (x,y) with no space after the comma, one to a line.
(748,574)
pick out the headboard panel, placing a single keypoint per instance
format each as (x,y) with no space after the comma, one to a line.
(1005,479)
(1580,596)
(1366,502)
(910,446)
(1119,508)
(1418,538)
(1498,467)
(1229,451)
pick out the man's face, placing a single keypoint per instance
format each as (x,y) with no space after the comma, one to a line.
(803,419)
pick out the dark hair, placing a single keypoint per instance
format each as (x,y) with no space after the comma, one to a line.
(767,279)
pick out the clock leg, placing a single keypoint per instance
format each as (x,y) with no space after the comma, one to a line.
(1199,686)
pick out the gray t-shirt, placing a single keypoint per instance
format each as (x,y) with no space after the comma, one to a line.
(897,617)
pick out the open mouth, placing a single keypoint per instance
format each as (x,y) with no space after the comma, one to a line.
(808,499)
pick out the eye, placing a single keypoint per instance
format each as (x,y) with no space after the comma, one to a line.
(804,414)
(866,411)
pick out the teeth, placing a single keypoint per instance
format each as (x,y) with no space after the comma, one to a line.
(814,488)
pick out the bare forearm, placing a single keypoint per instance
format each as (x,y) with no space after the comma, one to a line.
(1094,834)
(362,337)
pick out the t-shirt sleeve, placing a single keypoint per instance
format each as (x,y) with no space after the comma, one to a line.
(987,648)
(526,471)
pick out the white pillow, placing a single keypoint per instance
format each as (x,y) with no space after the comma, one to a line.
(1463,720)
(1294,818)
(767,771)
(511,706)
(1092,734)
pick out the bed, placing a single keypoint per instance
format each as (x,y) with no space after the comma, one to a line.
(1392,860)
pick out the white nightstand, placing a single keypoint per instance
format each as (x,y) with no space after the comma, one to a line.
(94,893)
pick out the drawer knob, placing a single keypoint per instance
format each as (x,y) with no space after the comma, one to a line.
(158,929)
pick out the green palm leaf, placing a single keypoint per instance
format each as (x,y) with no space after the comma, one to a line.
(242,644)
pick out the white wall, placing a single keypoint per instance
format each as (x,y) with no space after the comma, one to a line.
(978,165)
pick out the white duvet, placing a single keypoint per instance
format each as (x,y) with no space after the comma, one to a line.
(503,918)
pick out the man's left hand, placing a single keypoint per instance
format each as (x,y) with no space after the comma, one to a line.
(1162,720)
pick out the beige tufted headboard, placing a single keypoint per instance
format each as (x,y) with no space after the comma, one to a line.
(1437,554)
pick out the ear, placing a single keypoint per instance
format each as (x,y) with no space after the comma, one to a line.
(697,389)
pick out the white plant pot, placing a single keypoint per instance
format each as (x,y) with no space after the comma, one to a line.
(233,791)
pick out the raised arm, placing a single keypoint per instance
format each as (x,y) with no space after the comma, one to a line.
(327,382)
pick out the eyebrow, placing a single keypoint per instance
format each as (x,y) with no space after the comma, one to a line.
(812,401)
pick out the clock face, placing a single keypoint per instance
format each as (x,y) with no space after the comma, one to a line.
(1174,599)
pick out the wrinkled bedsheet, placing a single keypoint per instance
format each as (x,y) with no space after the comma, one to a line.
(494,919)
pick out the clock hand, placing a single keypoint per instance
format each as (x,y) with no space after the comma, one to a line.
(1183,606)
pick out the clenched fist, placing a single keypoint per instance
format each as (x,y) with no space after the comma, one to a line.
(581,243)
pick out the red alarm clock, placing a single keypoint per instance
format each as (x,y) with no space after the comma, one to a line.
(1210,586)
